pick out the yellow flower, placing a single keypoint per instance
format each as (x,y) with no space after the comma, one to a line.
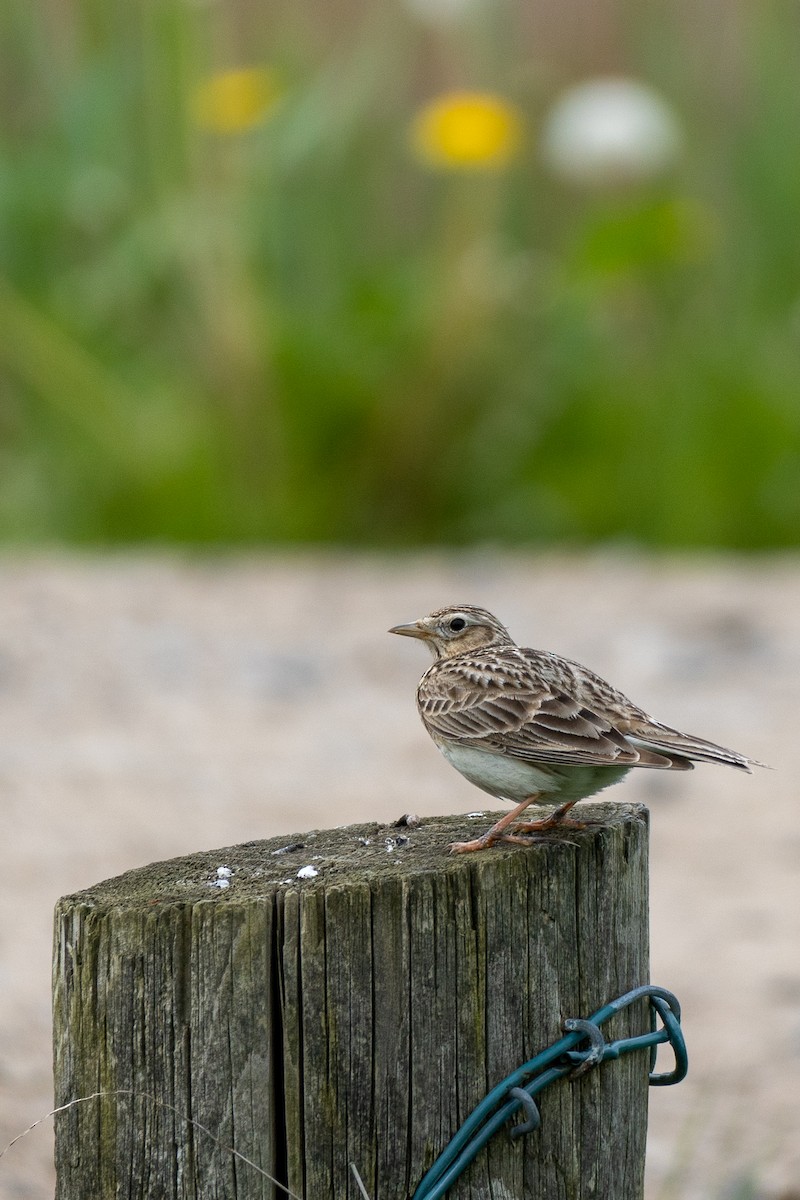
(467,130)
(236,100)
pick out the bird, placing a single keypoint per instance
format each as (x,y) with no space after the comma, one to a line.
(531,727)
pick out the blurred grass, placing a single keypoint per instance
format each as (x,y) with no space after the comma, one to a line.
(298,331)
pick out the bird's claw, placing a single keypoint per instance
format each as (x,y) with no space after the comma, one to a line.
(534,840)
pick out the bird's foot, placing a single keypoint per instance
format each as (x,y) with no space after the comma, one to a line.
(518,835)
(533,839)
(484,842)
(509,827)
(546,823)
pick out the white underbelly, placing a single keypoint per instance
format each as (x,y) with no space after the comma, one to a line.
(511,779)
(506,778)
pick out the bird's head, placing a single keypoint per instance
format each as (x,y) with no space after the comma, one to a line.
(457,629)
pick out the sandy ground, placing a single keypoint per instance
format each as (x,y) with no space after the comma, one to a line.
(153,706)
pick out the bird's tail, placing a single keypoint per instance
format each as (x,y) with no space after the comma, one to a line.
(651,735)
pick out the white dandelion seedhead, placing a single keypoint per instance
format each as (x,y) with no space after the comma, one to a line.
(610,130)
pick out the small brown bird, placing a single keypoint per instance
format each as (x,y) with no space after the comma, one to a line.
(529,726)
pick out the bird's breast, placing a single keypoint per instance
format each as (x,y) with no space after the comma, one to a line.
(506,778)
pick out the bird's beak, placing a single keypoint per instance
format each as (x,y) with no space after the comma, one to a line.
(414,629)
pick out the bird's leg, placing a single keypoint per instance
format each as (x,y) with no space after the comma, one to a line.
(558,817)
(498,832)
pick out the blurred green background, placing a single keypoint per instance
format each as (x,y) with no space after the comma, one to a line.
(240,301)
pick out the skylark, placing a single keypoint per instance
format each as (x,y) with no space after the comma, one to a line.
(531,727)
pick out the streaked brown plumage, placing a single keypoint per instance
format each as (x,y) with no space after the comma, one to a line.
(529,726)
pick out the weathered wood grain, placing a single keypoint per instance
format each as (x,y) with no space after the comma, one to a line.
(356,1016)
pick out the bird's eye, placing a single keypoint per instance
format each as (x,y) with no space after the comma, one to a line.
(457,624)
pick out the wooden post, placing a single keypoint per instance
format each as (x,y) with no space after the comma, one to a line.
(353,1015)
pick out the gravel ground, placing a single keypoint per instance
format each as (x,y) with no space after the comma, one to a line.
(152,706)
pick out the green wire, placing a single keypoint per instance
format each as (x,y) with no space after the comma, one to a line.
(557,1061)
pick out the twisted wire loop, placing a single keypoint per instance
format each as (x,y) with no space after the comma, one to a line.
(582,1048)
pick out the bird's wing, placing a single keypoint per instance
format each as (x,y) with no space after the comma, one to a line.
(509,707)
